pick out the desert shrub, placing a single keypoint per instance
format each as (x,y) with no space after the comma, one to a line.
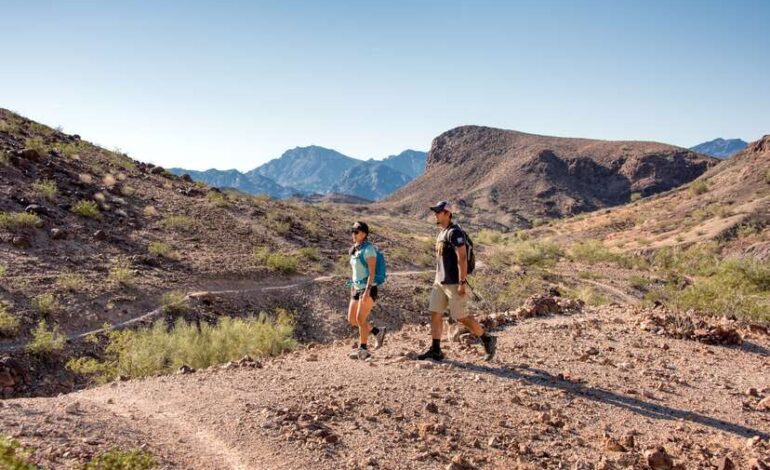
(36,143)
(535,253)
(700,259)
(71,281)
(108,180)
(4,159)
(159,249)
(15,221)
(638,282)
(587,294)
(46,189)
(177,222)
(88,209)
(175,302)
(280,224)
(489,237)
(309,253)
(45,304)
(116,459)
(699,187)
(275,261)
(157,349)
(594,251)
(150,211)
(218,199)
(46,341)
(13,457)
(121,272)
(506,293)
(9,324)
(3,270)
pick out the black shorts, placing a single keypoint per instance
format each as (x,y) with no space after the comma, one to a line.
(359,292)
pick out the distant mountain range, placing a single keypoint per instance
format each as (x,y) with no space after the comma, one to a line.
(312,170)
(720,148)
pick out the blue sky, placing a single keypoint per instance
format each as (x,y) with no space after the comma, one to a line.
(231,84)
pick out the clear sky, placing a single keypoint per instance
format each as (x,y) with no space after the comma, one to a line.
(231,84)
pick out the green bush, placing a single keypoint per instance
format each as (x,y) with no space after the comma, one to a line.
(46,189)
(15,221)
(45,304)
(4,159)
(489,237)
(506,293)
(3,270)
(275,261)
(122,460)
(13,457)
(159,350)
(535,253)
(159,249)
(9,324)
(36,143)
(587,294)
(309,253)
(594,251)
(218,199)
(699,187)
(46,341)
(85,208)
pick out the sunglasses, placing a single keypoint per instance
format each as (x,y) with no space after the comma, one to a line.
(356,231)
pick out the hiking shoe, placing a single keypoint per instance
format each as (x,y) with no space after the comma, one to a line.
(431,353)
(490,347)
(379,338)
(363,354)
(354,354)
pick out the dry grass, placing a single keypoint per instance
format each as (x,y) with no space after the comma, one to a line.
(87,209)
(15,221)
(9,324)
(46,341)
(45,189)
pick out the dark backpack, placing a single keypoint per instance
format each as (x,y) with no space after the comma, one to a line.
(469,245)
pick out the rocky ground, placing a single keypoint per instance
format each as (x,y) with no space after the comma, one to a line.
(598,388)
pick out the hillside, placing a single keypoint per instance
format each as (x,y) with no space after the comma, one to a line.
(252,184)
(509,179)
(730,203)
(720,148)
(89,236)
(370,180)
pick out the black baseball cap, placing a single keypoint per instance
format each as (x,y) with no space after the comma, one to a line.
(441,206)
(360,227)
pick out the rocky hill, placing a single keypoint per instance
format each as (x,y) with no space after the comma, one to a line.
(371,180)
(252,183)
(408,162)
(730,203)
(511,179)
(720,148)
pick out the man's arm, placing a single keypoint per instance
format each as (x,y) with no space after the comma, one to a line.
(462,262)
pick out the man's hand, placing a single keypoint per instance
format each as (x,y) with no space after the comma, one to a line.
(461,290)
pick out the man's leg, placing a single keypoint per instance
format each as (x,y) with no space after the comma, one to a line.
(458,310)
(438,303)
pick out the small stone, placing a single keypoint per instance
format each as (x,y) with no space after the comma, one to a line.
(756,464)
(764,404)
(726,464)
(752,392)
(100,235)
(431,407)
(73,408)
(331,439)
(612,445)
(58,234)
(185,369)
(312,358)
(658,459)
(753,441)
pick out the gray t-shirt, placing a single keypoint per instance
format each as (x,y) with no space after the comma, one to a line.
(447,271)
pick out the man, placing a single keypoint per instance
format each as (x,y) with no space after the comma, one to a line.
(450,288)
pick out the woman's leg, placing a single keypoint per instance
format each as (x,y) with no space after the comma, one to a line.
(353,312)
(367,303)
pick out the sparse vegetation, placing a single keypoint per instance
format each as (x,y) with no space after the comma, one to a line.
(160,249)
(45,304)
(4,159)
(3,270)
(15,221)
(309,253)
(150,211)
(279,223)
(699,187)
(9,324)
(46,341)
(218,199)
(13,456)
(71,281)
(588,294)
(175,302)
(88,209)
(46,189)
(527,253)
(121,272)
(159,350)
(37,144)
(489,237)
(122,460)
(501,294)
(275,261)
(594,251)
(177,222)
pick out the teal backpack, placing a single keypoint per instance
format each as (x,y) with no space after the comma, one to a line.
(381,269)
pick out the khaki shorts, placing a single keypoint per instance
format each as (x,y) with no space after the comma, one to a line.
(445,295)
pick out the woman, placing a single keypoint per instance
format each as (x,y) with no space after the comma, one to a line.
(363,291)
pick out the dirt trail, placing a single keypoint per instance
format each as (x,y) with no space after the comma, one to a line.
(564,392)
